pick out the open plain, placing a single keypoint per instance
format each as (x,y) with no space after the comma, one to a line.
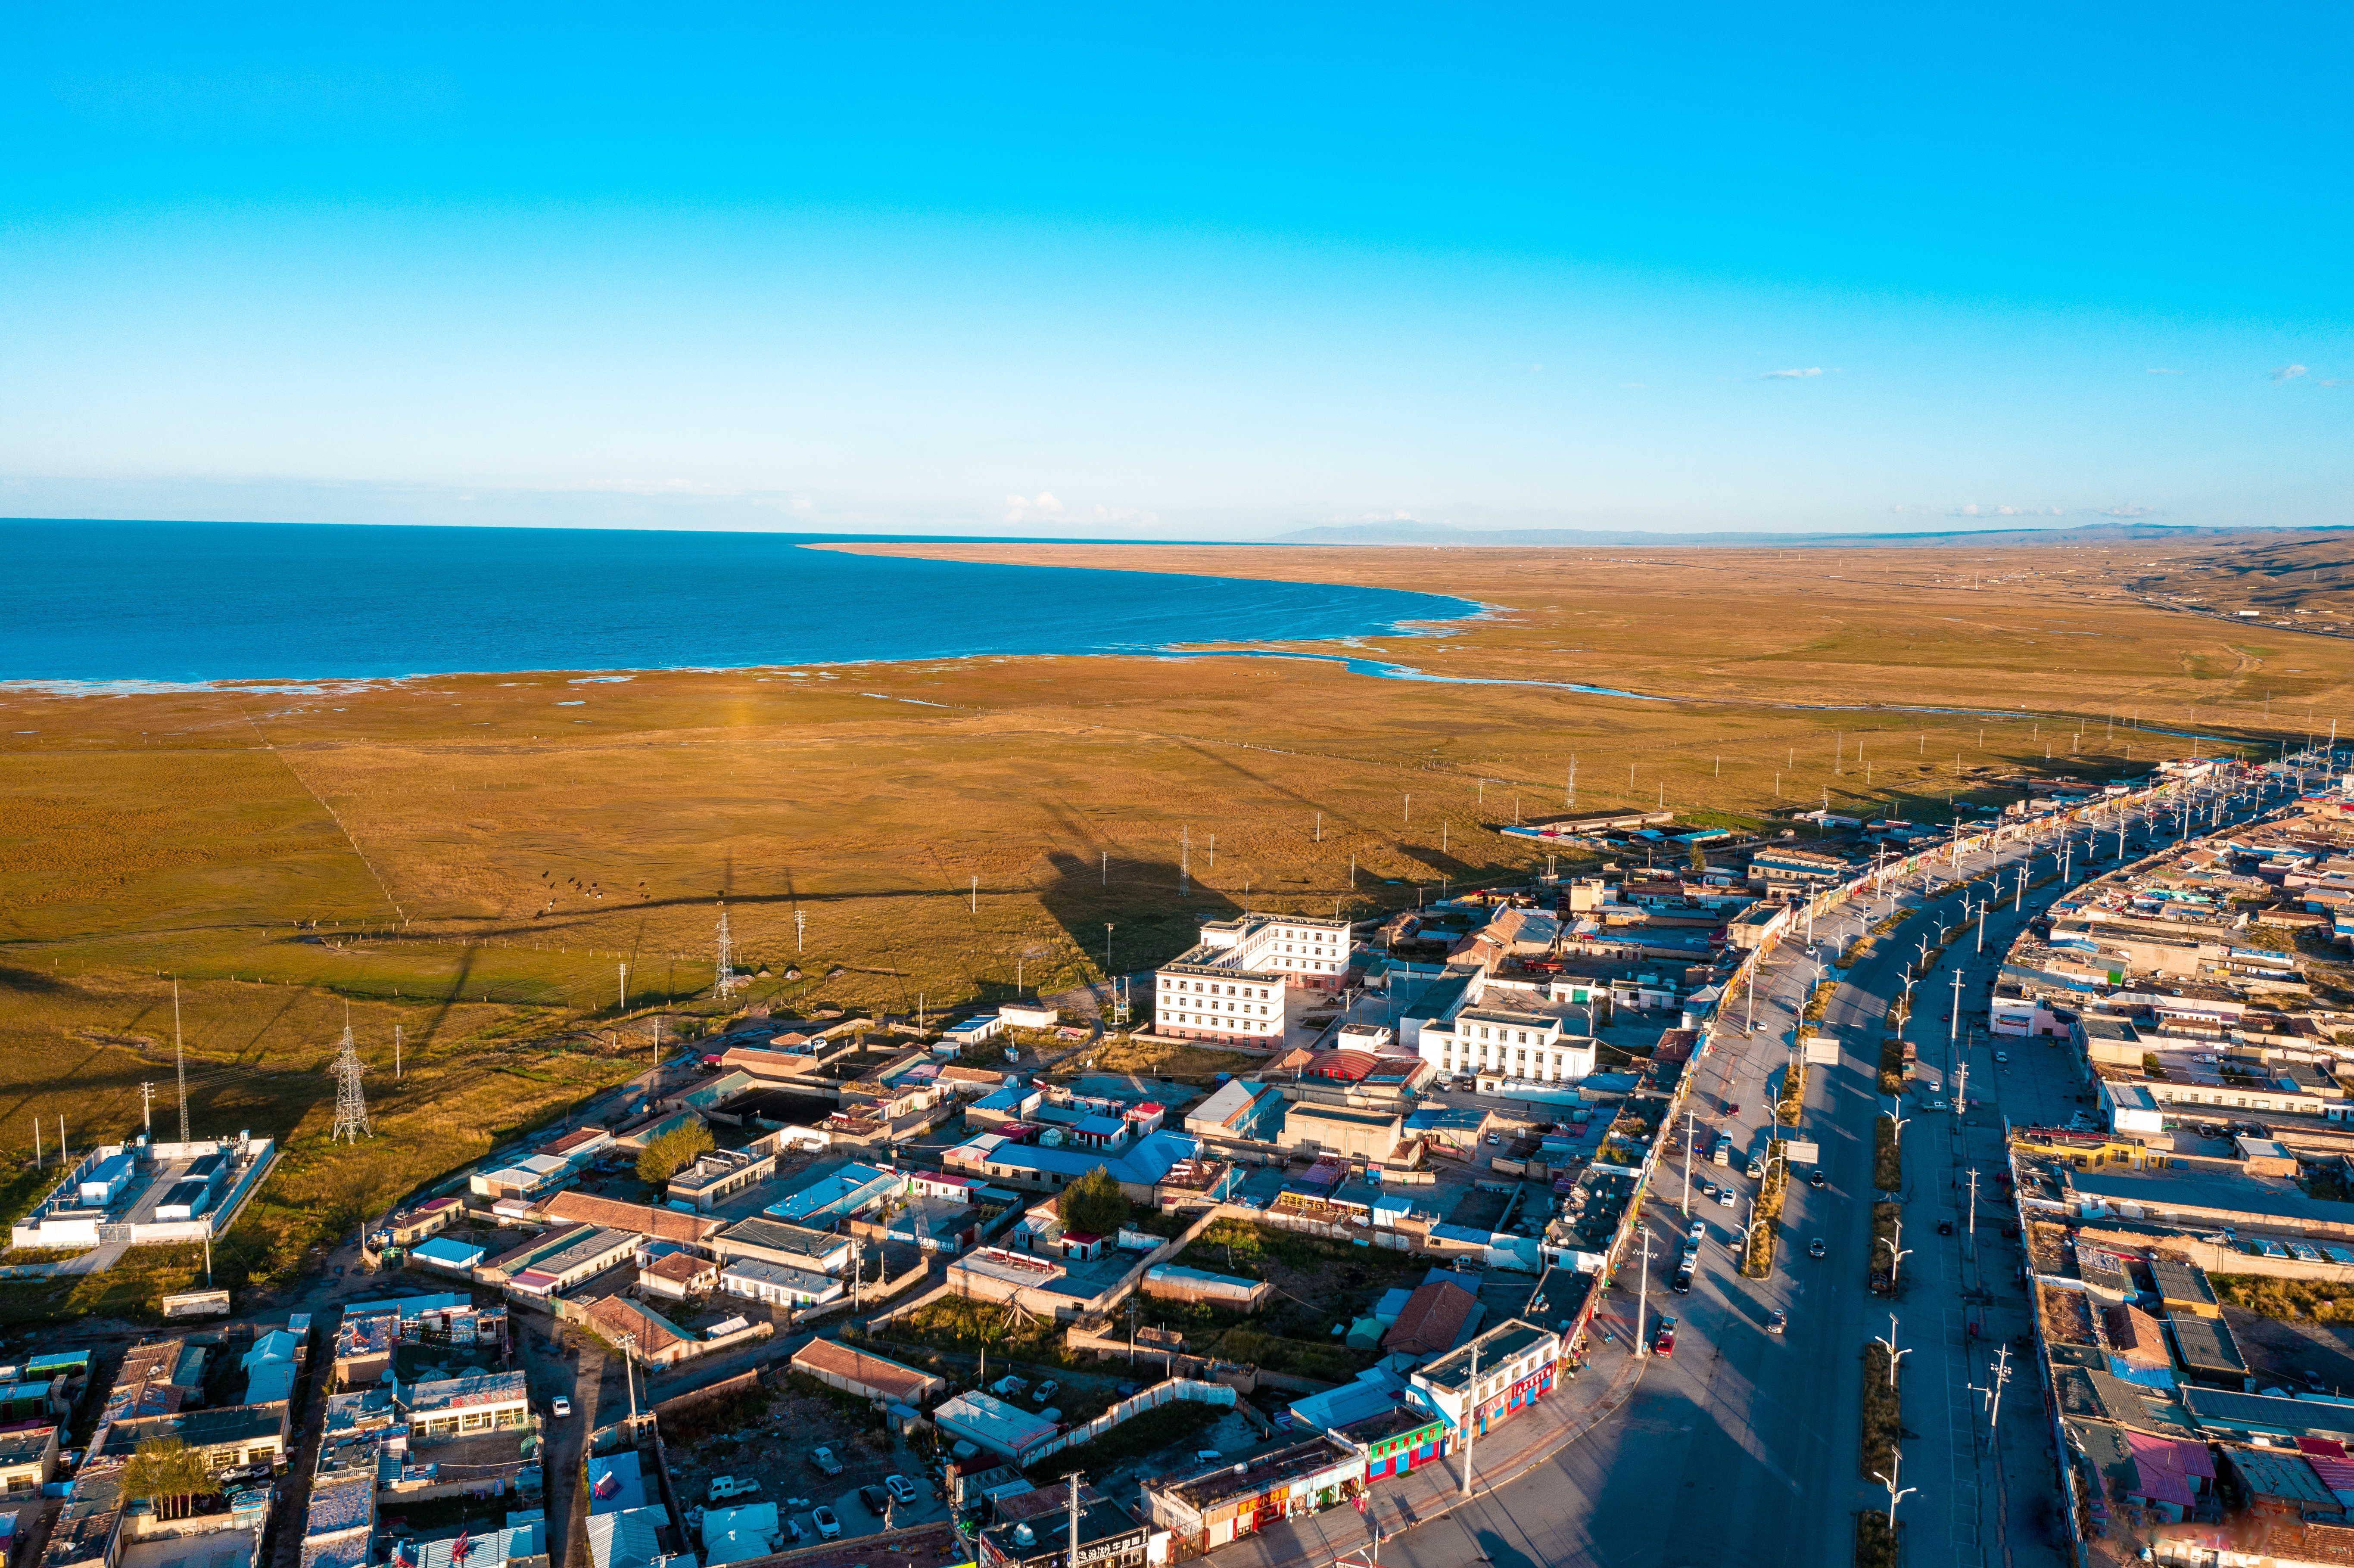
(521,874)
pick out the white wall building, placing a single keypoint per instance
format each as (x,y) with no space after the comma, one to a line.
(1507,1044)
(1234,984)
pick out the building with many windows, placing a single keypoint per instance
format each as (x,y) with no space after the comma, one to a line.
(1514,1045)
(1233,985)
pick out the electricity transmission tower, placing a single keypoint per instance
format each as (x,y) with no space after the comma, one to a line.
(723,979)
(350,1105)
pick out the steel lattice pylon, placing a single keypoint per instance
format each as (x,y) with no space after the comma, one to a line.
(350,1105)
(722,980)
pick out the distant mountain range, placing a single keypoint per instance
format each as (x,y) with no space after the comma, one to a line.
(1412,532)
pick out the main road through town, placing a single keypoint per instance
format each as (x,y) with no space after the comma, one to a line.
(1744,1444)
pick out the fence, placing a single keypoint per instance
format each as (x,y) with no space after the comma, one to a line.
(1153,1398)
(723,1389)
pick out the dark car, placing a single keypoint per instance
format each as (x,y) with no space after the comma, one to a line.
(1945,1227)
(875,1498)
(1816,1178)
(1682,1283)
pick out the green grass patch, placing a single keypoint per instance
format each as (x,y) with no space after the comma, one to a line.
(1884,1220)
(1887,1163)
(1148,1433)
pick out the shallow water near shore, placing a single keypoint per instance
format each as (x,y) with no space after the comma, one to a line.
(175,602)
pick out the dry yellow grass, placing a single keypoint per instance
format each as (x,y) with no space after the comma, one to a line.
(463,854)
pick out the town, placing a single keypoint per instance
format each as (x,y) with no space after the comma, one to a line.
(836,1289)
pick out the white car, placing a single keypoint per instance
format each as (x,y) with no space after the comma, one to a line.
(900,1488)
(828,1525)
(559,1407)
(2002,1057)
(1724,1196)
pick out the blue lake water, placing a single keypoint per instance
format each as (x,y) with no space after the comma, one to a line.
(220,601)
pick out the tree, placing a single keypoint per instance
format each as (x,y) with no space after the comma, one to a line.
(1699,856)
(1094,1204)
(168,1472)
(665,1153)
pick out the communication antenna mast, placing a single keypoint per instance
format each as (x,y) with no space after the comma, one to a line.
(179,1062)
(350,1105)
(723,983)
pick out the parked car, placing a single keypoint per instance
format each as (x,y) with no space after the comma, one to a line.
(559,1407)
(1816,1248)
(1816,1178)
(726,1487)
(1945,1227)
(901,1488)
(2001,1056)
(828,1525)
(1699,1231)
(1664,1342)
(1046,1391)
(876,1499)
(826,1463)
(1682,1284)
(1777,1322)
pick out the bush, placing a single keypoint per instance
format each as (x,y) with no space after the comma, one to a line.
(1793,1098)
(1758,1261)
(1892,1065)
(661,1158)
(1094,1204)
(1876,1546)
(1887,1166)
(1883,1420)
(168,1472)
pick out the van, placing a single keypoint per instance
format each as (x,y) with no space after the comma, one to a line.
(1724,1155)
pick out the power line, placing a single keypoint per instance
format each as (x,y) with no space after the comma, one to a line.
(351,1104)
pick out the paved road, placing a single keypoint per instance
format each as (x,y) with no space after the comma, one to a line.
(1752,1437)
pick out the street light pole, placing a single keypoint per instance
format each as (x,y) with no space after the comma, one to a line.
(1643,1304)
(1896,1461)
(1690,1113)
(1895,1355)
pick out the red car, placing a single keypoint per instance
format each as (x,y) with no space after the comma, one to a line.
(1731,1108)
(1664,1343)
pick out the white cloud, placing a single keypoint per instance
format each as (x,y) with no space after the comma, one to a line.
(2334,381)
(1972,509)
(2288,372)
(1022,508)
(2127,511)
(1792,375)
(2161,370)
(1124,516)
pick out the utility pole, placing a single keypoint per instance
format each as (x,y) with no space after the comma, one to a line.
(628,1372)
(1994,1401)
(1970,1220)
(1643,1304)
(1471,1414)
(1688,1114)
(179,1062)
(1953,1024)
(1108,949)
(976,895)
(147,1107)
(395,1053)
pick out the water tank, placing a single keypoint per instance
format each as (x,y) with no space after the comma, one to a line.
(1024,1536)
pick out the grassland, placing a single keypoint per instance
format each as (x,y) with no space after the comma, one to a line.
(463,859)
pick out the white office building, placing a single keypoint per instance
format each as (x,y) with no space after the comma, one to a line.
(1234,984)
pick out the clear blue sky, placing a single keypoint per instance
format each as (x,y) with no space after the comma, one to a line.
(1178,270)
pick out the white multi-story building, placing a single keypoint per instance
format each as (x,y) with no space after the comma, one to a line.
(1504,1037)
(1233,985)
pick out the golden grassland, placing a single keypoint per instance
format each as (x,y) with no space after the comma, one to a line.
(467,859)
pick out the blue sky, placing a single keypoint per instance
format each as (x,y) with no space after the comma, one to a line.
(1179,271)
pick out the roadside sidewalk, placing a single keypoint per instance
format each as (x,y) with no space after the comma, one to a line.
(1400,1504)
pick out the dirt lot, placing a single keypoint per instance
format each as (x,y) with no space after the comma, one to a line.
(1318,1285)
(2292,1355)
(769,1437)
